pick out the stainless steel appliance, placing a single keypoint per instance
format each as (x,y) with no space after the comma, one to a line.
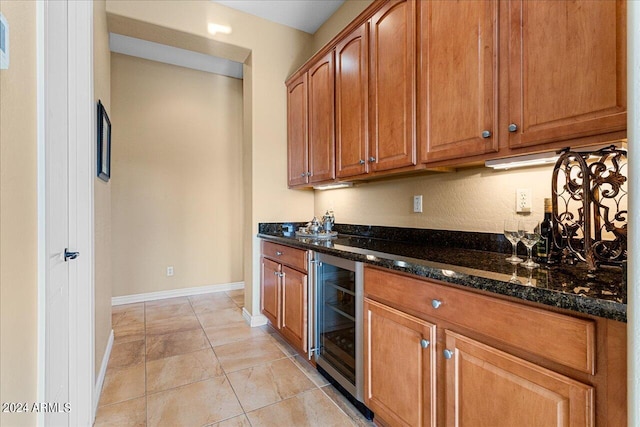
(338,329)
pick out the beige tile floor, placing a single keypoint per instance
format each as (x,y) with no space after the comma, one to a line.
(195,362)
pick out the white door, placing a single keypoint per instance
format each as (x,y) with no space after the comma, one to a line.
(57,216)
(65,143)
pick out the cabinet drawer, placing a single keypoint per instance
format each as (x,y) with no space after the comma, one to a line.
(296,258)
(560,338)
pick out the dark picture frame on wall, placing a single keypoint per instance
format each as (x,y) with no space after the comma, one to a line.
(104,144)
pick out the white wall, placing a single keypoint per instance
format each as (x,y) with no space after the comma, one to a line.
(176,177)
(477,199)
(18,216)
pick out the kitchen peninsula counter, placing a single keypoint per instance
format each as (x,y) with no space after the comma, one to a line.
(471,260)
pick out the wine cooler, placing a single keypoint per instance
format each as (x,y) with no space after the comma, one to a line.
(339,329)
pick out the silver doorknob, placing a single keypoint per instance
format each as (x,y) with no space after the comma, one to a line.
(372,159)
(513,127)
(303,175)
(308,173)
(424,343)
(70,255)
(448,354)
(436,303)
(361,162)
(486,134)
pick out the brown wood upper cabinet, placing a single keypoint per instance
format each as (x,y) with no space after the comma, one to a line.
(352,103)
(558,77)
(392,85)
(567,70)
(457,79)
(297,136)
(310,122)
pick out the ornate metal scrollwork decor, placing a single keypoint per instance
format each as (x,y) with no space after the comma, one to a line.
(589,196)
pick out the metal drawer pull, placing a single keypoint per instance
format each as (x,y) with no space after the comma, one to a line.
(372,159)
(486,134)
(448,354)
(361,162)
(278,253)
(436,303)
(424,343)
(513,127)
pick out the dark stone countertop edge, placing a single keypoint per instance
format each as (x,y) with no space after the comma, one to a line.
(576,303)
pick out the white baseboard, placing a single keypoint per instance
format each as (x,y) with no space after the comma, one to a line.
(253,321)
(103,371)
(151,296)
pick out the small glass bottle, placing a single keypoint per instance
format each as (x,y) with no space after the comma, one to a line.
(545,244)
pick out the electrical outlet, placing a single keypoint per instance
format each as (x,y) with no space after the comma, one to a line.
(169,271)
(417,203)
(523,200)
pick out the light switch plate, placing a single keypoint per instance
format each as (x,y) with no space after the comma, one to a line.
(417,204)
(4,43)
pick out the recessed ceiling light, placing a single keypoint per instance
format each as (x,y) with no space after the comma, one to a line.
(217,28)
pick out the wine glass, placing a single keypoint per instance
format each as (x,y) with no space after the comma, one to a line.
(529,230)
(512,233)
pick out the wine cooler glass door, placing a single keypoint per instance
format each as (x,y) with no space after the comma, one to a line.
(337,326)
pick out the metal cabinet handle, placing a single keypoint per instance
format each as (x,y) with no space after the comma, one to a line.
(448,354)
(436,303)
(303,175)
(278,253)
(372,159)
(486,134)
(308,173)
(361,162)
(513,127)
(424,343)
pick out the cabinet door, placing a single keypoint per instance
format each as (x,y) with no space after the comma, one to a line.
(399,379)
(567,69)
(487,387)
(270,296)
(457,78)
(294,307)
(321,120)
(297,142)
(392,86)
(352,103)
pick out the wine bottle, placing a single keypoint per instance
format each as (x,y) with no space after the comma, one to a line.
(545,244)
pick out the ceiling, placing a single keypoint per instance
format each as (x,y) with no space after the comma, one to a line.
(304,15)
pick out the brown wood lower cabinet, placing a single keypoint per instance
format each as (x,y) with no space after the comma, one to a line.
(473,367)
(294,307)
(488,387)
(399,354)
(284,285)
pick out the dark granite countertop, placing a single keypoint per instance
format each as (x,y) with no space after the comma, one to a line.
(474,260)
